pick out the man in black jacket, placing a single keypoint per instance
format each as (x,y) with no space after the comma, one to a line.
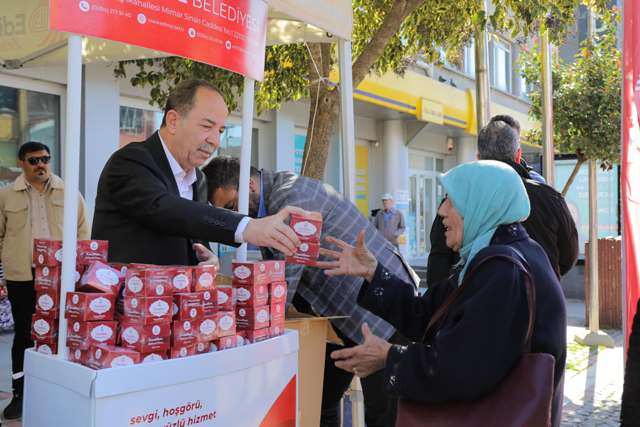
(550,223)
(152,200)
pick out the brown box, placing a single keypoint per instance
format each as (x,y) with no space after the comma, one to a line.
(90,251)
(226,323)
(210,302)
(252,318)
(225,298)
(251,273)
(83,335)
(306,254)
(251,295)
(181,279)
(44,329)
(145,338)
(278,292)
(148,309)
(106,356)
(307,227)
(47,252)
(183,351)
(47,277)
(46,348)
(87,306)
(99,277)
(207,329)
(204,277)
(156,356)
(184,333)
(190,306)
(148,281)
(48,303)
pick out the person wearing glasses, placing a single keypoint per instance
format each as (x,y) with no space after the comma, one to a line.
(30,208)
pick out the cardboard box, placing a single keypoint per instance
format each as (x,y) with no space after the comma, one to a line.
(150,281)
(307,227)
(47,278)
(44,329)
(251,273)
(204,277)
(145,338)
(210,302)
(207,329)
(105,356)
(87,306)
(46,348)
(90,251)
(278,292)
(306,254)
(182,279)
(190,306)
(156,356)
(48,303)
(82,335)
(99,277)
(252,318)
(251,295)
(226,322)
(178,352)
(47,252)
(184,333)
(225,298)
(148,309)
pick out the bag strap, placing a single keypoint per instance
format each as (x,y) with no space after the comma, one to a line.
(530,290)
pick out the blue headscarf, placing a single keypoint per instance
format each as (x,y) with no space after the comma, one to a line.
(486,193)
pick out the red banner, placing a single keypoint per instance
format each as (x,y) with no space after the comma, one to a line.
(229,34)
(630,185)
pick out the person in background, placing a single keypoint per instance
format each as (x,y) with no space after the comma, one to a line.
(389,220)
(480,338)
(550,223)
(310,291)
(630,408)
(30,208)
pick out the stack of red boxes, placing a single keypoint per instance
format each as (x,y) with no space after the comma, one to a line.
(308,228)
(47,259)
(261,294)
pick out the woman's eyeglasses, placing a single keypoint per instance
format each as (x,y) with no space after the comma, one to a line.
(42,159)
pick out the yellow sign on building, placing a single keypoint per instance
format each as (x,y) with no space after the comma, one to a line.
(431,111)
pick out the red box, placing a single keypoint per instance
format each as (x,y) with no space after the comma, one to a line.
(90,251)
(251,273)
(99,277)
(277,270)
(145,338)
(78,356)
(277,310)
(87,306)
(252,318)
(46,348)
(207,329)
(184,333)
(251,295)
(181,279)
(225,299)
(183,351)
(307,227)
(155,356)
(306,254)
(253,336)
(83,335)
(149,281)
(226,323)
(190,306)
(46,277)
(107,356)
(225,343)
(47,252)
(47,303)
(278,292)
(80,269)
(210,302)
(204,277)
(203,347)
(276,329)
(44,329)
(148,309)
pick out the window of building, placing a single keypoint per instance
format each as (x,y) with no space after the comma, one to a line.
(469,65)
(137,124)
(501,65)
(27,115)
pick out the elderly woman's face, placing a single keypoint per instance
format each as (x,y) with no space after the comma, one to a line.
(453,225)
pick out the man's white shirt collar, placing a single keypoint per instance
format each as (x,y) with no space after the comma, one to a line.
(179,173)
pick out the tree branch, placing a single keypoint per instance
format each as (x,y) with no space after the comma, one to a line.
(573,175)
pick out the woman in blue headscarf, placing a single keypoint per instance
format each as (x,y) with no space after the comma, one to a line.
(480,339)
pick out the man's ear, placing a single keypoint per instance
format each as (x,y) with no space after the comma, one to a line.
(518,157)
(171,121)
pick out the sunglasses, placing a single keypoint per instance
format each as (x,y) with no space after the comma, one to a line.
(35,160)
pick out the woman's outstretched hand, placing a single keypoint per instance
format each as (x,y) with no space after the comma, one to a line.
(366,358)
(349,260)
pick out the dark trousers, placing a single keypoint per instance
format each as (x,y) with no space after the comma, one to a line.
(22,297)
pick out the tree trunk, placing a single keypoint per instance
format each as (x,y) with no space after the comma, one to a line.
(573,175)
(322,120)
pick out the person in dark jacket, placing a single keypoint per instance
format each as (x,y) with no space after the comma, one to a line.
(481,338)
(550,223)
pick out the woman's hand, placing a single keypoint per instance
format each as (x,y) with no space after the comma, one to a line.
(366,358)
(350,261)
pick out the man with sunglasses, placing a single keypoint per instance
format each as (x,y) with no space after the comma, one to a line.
(30,208)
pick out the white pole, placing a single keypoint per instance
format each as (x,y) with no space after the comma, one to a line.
(245,156)
(71,181)
(347,119)
(548,158)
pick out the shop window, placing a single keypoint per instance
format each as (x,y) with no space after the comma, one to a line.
(27,115)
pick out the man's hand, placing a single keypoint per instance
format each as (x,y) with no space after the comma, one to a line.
(366,358)
(350,261)
(271,231)
(205,256)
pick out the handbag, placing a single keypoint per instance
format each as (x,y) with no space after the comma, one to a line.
(522,399)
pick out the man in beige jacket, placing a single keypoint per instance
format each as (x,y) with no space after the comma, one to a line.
(30,208)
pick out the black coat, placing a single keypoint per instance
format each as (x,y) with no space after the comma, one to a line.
(630,412)
(550,224)
(140,212)
(481,337)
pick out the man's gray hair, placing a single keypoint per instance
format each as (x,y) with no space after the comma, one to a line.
(498,141)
